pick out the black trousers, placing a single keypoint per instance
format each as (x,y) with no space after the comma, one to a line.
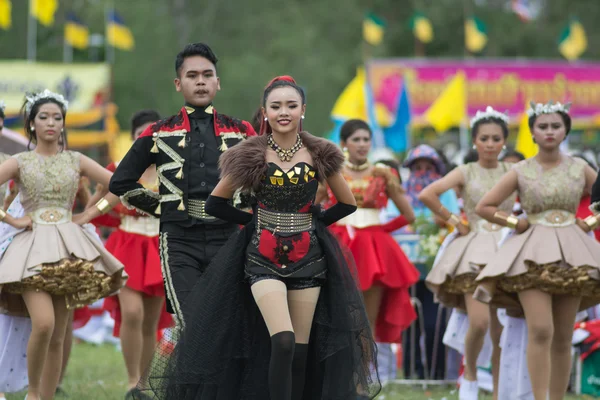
(185,253)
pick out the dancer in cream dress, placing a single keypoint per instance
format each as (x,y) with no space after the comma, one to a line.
(551,268)
(54,264)
(452,278)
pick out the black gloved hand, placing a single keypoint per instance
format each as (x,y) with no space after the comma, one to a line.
(219,207)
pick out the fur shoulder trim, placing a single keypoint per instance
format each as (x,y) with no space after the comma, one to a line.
(327,157)
(245,163)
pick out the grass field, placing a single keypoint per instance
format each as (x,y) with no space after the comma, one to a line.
(98,373)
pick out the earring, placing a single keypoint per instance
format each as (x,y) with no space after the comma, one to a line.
(266,119)
(346,154)
(474,147)
(504,147)
(303,117)
(33,129)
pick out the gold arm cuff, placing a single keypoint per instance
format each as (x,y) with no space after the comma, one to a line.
(512,221)
(592,222)
(500,215)
(2,214)
(103,206)
(453,220)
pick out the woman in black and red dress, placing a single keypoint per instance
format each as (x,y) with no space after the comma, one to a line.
(278,314)
(384,271)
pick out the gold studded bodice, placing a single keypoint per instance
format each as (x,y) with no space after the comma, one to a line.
(48,181)
(559,188)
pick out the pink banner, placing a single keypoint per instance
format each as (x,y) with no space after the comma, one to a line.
(505,85)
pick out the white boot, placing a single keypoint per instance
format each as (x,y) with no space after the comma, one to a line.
(469,390)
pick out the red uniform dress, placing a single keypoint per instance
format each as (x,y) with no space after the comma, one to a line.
(379,259)
(135,244)
(583,211)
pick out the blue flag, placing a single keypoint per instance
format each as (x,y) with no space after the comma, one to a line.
(378,139)
(397,136)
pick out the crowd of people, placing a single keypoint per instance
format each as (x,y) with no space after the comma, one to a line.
(265,258)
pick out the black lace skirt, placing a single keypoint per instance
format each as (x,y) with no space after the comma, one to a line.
(223,351)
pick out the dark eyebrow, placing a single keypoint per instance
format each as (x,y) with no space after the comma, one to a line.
(195,71)
(279,102)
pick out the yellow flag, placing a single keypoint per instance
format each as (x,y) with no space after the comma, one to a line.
(351,103)
(450,109)
(475,35)
(76,33)
(573,42)
(5,14)
(118,34)
(373,29)
(44,10)
(525,144)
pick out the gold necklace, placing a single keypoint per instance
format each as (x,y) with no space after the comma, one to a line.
(285,155)
(355,167)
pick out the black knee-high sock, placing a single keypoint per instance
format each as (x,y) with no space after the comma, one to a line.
(299,370)
(280,367)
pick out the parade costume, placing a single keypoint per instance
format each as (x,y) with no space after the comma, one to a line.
(224,349)
(379,259)
(554,255)
(57,255)
(135,244)
(14,330)
(454,273)
(185,149)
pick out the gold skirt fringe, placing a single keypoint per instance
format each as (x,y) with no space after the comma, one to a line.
(75,279)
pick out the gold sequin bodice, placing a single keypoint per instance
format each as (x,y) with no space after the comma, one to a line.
(48,181)
(479,181)
(559,188)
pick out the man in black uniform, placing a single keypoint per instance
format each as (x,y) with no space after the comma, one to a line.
(185,149)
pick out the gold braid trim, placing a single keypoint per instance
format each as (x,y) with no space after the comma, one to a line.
(181,132)
(176,193)
(166,270)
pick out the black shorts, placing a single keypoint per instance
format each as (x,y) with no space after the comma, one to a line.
(290,283)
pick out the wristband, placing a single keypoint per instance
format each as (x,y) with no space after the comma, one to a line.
(512,221)
(453,220)
(592,222)
(103,206)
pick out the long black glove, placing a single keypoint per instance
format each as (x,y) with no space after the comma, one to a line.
(219,207)
(334,213)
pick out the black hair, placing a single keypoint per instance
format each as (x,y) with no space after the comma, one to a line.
(30,116)
(351,126)
(143,117)
(279,84)
(586,159)
(489,120)
(471,156)
(513,153)
(565,117)
(449,166)
(257,119)
(195,49)
(2,115)
(394,164)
